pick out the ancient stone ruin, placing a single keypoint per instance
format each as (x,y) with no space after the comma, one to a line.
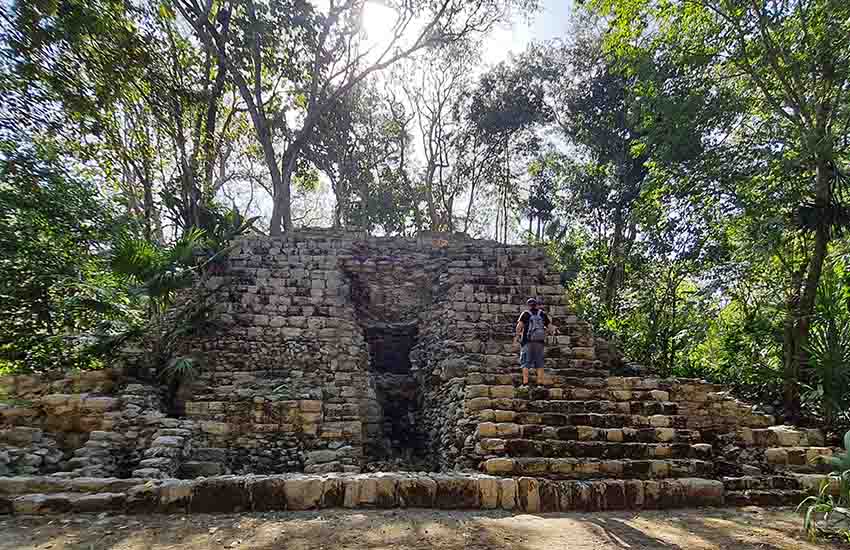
(348,370)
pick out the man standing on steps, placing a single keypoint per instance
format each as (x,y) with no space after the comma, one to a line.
(531,328)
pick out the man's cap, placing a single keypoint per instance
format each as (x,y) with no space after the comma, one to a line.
(531,301)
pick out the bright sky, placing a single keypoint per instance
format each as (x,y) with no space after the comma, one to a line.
(550,22)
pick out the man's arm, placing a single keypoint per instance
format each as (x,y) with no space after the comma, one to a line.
(520,329)
(550,326)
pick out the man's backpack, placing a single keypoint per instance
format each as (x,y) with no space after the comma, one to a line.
(536,327)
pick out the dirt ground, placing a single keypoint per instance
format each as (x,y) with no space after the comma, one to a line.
(743,529)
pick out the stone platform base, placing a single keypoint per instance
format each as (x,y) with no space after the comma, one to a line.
(229,494)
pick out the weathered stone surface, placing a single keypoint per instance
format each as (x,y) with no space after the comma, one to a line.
(219,495)
(303,493)
(98,502)
(267,493)
(175,495)
(508,494)
(456,493)
(417,492)
(528,495)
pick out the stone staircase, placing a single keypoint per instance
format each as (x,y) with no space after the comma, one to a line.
(170,446)
(580,423)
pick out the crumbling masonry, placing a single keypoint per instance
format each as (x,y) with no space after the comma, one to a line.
(338,354)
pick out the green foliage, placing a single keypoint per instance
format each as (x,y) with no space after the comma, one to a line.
(55,284)
(180,370)
(829,351)
(828,512)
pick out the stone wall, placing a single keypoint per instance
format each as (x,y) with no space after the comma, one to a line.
(337,352)
(94,423)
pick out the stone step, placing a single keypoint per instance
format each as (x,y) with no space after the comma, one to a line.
(234,494)
(507,429)
(590,468)
(584,394)
(60,503)
(506,398)
(781,436)
(798,459)
(616,435)
(553,448)
(54,484)
(762,497)
(762,483)
(642,408)
(510,374)
(592,420)
(194,468)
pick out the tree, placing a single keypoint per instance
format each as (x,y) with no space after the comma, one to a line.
(505,106)
(54,283)
(137,99)
(788,61)
(287,57)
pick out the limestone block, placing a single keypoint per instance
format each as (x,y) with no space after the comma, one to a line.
(475,391)
(550,495)
(659,421)
(219,495)
(488,492)
(634,493)
(416,492)
(42,504)
(309,406)
(303,493)
(491,446)
(660,395)
(175,495)
(342,430)
(660,469)
(703,492)
(614,435)
(487,429)
(815,437)
(353,488)
(665,435)
(215,428)
(613,494)
(509,429)
(333,492)
(502,392)
(528,495)
(478,404)
(499,466)
(532,466)
(267,493)
(609,468)
(456,493)
(508,494)
(776,456)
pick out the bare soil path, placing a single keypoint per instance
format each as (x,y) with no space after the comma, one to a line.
(742,529)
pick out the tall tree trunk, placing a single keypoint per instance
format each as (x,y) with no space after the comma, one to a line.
(796,355)
(289,164)
(429,195)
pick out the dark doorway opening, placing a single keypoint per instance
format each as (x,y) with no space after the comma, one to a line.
(397,393)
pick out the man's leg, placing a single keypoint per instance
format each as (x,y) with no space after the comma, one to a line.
(537,357)
(523,362)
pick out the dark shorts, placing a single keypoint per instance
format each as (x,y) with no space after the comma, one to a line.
(531,355)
